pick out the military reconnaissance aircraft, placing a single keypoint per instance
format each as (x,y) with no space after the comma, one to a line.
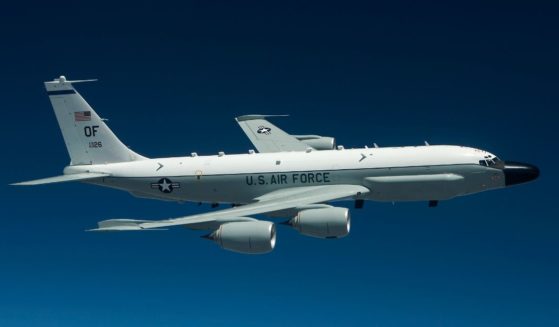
(292,176)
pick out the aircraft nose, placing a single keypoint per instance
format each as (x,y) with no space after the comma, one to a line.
(518,172)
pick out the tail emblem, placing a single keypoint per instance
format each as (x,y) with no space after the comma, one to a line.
(264,130)
(165,185)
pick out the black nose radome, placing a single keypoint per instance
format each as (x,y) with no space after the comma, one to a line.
(518,172)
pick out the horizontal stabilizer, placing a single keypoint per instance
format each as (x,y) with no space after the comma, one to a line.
(62,79)
(63,178)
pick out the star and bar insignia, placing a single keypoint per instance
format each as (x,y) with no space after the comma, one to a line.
(165,185)
(264,130)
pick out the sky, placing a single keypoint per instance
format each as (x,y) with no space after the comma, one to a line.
(172,77)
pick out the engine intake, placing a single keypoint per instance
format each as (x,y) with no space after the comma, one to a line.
(251,237)
(331,222)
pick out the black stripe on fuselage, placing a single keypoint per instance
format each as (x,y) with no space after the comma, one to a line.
(61,92)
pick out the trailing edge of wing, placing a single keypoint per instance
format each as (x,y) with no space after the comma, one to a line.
(63,178)
(274,201)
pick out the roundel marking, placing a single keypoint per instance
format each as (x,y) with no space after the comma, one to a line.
(165,185)
(264,130)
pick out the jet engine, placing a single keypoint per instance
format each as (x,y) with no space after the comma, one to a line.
(250,237)
(318,142)
(330,222)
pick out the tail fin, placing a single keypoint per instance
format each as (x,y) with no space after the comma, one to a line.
(88,139)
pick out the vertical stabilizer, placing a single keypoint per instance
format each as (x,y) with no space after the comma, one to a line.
(88,139)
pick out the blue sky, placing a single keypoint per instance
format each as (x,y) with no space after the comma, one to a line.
(172,78)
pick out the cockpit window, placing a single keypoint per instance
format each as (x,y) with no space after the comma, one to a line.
(491,162)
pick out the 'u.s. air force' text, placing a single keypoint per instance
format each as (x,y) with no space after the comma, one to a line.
(292,178)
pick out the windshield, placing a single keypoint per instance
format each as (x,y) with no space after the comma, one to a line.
(492,162)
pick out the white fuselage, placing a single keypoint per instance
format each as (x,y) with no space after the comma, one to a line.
(392,174)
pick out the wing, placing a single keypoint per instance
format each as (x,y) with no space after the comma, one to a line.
(267,137)
(275,201)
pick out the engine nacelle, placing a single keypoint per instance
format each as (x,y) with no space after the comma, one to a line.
(331,222)
(249,237)
(318,142)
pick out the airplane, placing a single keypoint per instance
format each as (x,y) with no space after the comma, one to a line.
(292,176)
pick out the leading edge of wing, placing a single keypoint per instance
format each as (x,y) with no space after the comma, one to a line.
(273,201)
